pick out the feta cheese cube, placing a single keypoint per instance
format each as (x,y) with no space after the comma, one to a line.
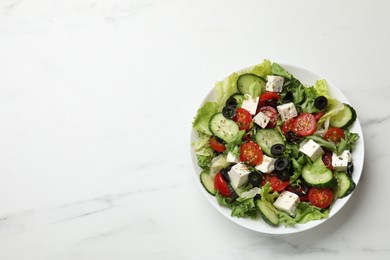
(287,201)
(267,165)
(238,175)
(261,119)
(340,162)
(287,111)
(250,104)
(311,149)
(232,158)
(274,83)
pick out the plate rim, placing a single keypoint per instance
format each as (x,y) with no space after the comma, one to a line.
(281,229)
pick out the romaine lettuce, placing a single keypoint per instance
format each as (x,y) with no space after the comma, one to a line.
(202,118)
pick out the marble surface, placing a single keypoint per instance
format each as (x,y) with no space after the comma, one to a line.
(96,103)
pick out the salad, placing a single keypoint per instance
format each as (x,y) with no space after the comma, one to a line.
(270,147)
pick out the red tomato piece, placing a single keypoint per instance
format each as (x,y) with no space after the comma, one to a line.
(221,185)
(334,134)
(272,114)
(318,115)
(243,119)
(289,125)
(276,183)
(305,124)
(251,153)
(327,159)
(216,145)
(268,97)
(320,198)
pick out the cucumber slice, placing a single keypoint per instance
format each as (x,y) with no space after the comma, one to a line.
(246,80)
(207,181)
(224,128)
(344,118)
(267,213)
(266,138)
(345,184)
(318,177)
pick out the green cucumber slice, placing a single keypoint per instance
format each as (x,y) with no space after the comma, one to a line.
(267,213)
(266,138)
(224,128)
(246,80)
(344,118)
(345,184)
(207,181)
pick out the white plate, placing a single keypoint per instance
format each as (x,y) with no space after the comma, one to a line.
(309,78)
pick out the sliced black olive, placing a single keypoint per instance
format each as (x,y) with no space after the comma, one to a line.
(292,137)
(288,98)
(281,164)
(350,168)
(278,149)
(255,178)
(224,173)
(257,197)
(229,112)
(283,175)
(231,102)
(321,102)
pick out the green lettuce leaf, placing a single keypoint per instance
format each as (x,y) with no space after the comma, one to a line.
(203,151)
(280,71)
(348,143)
(263,69)
(303,214)
(234,145)
(321,88)
(225,89)
(202,118)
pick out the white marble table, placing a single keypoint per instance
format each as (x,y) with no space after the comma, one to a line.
(96,103)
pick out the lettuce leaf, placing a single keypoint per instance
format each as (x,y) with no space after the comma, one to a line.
(203,151)
(321,88)
(202,118)
(280,71)
(348,143)
(303,214)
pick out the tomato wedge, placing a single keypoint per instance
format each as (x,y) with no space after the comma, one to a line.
(243,119)
(305,124)
(268,99)
(275,183)
(216,145)
(334,134)
(327,159)
(320,198)
(221,185)
(251,153)
(288,125)
(318,115)
(272,114)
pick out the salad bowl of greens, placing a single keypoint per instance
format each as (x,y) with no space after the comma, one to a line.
(276,148)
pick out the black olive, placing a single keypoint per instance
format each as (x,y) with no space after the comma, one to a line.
(231,102)
(350,168)
(278,149)
(257,197)
(271,102)
(283,175)
(321,102)
(255,178)
(281,164)
(224,173)
(288,98)
(229,112)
